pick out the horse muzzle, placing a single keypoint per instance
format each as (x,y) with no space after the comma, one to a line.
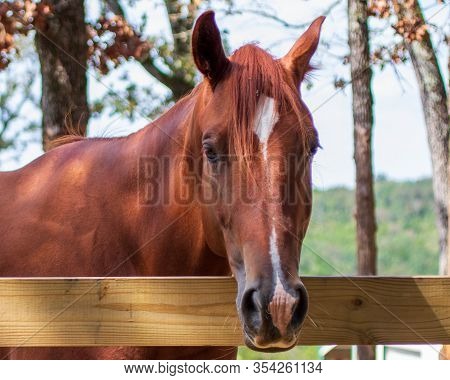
(272,319)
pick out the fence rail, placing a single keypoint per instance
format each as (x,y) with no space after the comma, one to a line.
(201,311)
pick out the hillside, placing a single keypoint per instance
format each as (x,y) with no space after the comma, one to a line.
(407,239)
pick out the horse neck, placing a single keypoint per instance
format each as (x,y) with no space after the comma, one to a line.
(166,135)
(162,143)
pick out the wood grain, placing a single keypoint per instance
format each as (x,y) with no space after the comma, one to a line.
(201,311)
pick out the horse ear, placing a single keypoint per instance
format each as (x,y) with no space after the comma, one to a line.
(207,48)
(297,60)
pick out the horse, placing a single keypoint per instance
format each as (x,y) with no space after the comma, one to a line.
(225,156)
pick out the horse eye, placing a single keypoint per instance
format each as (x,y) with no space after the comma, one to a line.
(210,153)
(314,148)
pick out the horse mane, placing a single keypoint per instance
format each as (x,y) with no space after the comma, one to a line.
(254,73)
(66,139)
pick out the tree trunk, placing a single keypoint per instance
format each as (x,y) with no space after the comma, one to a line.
(445,352)
(361,75)
(63,52)
(434,103)
(447,272)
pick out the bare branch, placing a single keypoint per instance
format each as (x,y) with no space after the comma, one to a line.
(271,16)
(178,80)
(148,64)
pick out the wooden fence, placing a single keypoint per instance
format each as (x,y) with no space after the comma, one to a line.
(202,311)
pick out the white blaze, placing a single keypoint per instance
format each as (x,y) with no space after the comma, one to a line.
(275,257)
(280,306)
(265,121)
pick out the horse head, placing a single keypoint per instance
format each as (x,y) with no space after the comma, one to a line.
(255,140)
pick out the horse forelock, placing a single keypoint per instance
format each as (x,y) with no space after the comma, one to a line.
(254,74)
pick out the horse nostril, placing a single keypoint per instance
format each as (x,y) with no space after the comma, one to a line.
(301,308)
(250,308)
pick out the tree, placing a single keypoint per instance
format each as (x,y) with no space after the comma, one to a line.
(61,44)
(63,52)
(362,102)
(66,44)
(178,71)
(411,25)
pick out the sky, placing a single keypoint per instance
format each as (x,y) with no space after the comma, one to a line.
(399,140)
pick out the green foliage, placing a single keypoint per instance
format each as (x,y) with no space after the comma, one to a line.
(407,237)
(305,352)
